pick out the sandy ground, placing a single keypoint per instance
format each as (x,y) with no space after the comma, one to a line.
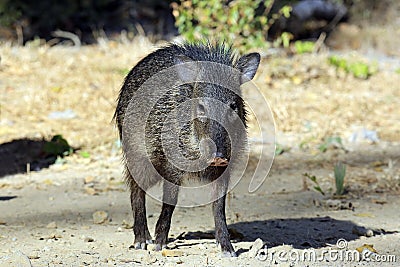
(77,211)
(78,214)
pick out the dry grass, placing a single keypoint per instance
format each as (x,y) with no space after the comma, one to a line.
(304,89)
(38,80)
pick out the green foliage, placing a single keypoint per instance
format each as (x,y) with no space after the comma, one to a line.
(358,69)
(331,141)
(398,71)
(302,47)
(57,146)
(339,173)
(84,154)
(239,21)
(317,187)
(123,71)
(8,13)
(280,149)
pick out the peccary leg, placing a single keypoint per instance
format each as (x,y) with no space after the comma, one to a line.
(170,198)
(140,229)
(221,229)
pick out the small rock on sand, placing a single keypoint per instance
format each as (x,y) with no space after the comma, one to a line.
(100,217)
(52,225)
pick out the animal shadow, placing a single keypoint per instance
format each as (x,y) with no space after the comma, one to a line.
(17,155)
(301,233)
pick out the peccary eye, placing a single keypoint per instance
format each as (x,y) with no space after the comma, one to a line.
(201,110)
(233,106)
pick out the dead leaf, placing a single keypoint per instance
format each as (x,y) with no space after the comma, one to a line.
(171,253)
(370,247)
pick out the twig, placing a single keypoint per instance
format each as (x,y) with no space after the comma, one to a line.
(20,35)
(319,42)
(68,35)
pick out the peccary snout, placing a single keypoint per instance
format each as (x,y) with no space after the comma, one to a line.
(219,160)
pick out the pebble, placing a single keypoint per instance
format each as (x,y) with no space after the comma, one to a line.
(52,225)
(34,256)
(361,231)
(89,179)
(88,239)
(150,260)
(100,217)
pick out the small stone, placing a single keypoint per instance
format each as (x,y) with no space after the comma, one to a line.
(150,260)
(257,245)
(89,179)
(34,256)
(90,191)
(361,231)
(100,217)
(88,239)
(369,233)
(52,225)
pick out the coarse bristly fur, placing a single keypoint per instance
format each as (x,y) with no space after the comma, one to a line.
(189,133)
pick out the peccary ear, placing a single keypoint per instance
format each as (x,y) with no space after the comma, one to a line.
(187,68)
(248,65)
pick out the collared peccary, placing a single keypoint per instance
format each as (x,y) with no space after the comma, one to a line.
(207,134)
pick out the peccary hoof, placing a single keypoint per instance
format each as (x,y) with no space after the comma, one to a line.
(228,254)
(159,247)
(141,245)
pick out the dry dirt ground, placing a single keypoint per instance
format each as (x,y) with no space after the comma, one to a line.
(76,212)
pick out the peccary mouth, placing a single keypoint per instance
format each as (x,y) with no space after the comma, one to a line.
(219,162)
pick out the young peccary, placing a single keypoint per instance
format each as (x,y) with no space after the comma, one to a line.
(207,77)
